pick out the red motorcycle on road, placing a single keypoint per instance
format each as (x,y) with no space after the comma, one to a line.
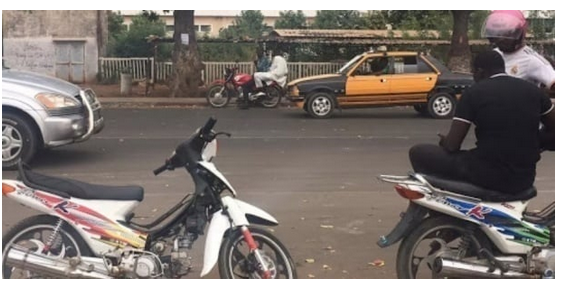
(221,91)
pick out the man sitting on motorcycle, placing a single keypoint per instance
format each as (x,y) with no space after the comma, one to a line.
(278,73)
(262,61)
(262,64)
(506,112)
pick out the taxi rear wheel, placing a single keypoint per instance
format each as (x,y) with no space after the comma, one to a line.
(441,105)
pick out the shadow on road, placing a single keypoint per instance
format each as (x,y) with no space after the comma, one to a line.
(62,157)
(364,113)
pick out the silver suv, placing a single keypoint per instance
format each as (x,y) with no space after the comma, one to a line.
(39,111)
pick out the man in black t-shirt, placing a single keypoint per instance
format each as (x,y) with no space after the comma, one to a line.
(506,112)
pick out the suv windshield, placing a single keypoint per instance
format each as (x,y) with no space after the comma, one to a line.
(349,64)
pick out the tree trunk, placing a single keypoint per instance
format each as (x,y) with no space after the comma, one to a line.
(187,67)
(460,56)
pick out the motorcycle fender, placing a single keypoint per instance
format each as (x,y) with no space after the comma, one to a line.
(411,218)
(252,213)
(241,214)
(216,82)
(218,226)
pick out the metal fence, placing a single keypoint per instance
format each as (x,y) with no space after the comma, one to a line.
(140,68)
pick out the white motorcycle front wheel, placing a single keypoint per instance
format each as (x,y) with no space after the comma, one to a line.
(237,262)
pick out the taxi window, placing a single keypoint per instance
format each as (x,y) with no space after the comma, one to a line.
(423,67)
(374,66)
(405,65)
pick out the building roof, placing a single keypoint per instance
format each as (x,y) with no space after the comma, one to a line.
(345,34)
(366,37)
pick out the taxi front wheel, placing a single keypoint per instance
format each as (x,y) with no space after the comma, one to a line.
(320,105)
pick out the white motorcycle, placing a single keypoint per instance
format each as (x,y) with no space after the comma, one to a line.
(457,230)
(86,230)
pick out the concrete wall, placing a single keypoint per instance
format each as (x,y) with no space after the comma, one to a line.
(30,39)
(38,54)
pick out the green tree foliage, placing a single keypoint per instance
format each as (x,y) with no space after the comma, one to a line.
(150,15)
(291,20)
(115,25)
(329,19)
(542,23)
(415,20)
(422,21)
(222,52)
(132,43)
(477,19)
(338,19)
(419,19)
(376,19)
(116,29)
(248,25)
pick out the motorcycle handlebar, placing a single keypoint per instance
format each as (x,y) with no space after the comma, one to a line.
(190,145)
(208,127)
(160,170)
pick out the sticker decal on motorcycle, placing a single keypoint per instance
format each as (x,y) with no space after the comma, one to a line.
(28,192)
(469,209)
(479,212)
(507,205)
(64,205)
(93,222)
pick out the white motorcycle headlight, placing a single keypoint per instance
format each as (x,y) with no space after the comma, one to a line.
(56,101)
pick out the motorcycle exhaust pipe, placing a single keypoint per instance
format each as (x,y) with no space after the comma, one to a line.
(86,267)
(447,268)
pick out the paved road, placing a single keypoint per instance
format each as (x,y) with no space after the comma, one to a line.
(305,172)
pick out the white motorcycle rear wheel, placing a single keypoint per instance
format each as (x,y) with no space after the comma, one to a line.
(33,233)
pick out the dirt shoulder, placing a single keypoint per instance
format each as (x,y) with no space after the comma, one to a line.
(138,90)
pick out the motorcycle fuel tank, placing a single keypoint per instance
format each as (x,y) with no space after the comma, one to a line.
(242,79)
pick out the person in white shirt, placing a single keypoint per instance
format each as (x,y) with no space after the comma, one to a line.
(506,30)
(278,73)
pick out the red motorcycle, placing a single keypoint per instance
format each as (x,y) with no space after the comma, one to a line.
(233,84)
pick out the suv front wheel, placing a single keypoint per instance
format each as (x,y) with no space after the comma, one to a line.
(441,105)
(18,140)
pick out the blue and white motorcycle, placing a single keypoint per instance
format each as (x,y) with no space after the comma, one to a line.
(457,230)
